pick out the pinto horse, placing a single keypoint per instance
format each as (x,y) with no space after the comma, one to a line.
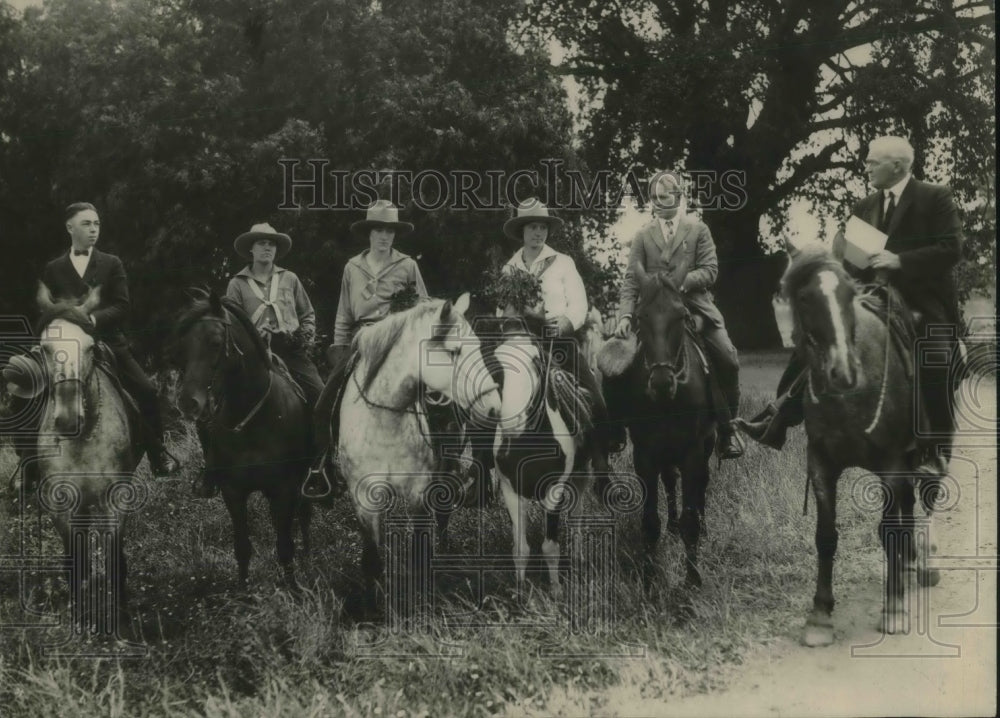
(670,418)
(859,411)
(87,484)
(253,424)
(385,451)
(540,448)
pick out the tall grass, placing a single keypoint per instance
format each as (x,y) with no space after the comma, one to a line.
(217,651)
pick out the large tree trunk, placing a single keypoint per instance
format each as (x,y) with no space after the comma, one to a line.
(748,279)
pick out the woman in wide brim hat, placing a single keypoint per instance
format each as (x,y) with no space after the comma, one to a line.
(529,211)
(244,243)
(382,214)
(564,302)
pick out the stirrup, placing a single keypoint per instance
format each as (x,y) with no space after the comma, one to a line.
(326,488)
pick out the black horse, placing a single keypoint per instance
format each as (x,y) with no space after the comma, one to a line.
(669,416)
(253,423)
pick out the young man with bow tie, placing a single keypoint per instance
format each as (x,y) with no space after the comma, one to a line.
(73,275)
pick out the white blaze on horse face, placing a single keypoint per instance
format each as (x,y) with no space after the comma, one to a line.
(839,354)
(521,382)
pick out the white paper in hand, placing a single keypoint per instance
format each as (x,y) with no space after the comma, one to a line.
(862,241)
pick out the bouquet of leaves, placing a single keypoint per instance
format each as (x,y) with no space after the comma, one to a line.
(515,289)
(404,298)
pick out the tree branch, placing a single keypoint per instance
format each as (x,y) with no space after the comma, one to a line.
(876,29)
(806,168)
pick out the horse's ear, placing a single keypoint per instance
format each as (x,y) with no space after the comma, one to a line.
(462,304)
(44,297)
(92,301)
(839,246)
(215,302)
(198,294)
(445,315)
(790,247)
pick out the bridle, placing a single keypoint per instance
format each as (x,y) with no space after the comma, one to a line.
(216,402)
(678,368)
(84,383)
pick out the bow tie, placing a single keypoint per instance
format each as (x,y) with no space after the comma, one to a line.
(81,252)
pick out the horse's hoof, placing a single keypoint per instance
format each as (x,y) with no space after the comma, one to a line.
(928,577)
(817,636)
(693,579)
(894,621)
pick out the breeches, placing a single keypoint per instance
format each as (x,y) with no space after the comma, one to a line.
(137,384)
(725,362)
(304,371)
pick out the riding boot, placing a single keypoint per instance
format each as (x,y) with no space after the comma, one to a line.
(770,426)
(937,419)
(725,388)
(326,429)
(729,444)
(24,415)
(134,379)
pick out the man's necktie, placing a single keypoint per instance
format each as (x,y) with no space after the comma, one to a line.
(890,208)
(80,252)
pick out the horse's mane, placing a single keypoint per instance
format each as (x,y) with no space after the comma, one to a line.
(374,343)
(806,263)
(202,307)
(67,311)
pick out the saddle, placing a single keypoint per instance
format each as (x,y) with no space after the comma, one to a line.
(279,365)
(886,303)
(105,361)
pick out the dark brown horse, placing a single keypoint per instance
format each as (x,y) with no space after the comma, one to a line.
(859,411)
(669,416)
(253,424)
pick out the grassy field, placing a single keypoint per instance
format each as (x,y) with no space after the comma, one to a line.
(217,651)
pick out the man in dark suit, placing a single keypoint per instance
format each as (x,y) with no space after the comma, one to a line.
(924,243)
(72,275)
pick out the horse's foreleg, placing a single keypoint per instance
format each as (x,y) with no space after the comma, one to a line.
(669,476)
(305,521)
(551,551)
(517,509)
(694,483)
(896,531)
(372,567)
(236,504)
(819,624)
(648,474)
(282,505)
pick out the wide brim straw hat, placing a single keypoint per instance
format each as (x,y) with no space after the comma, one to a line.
(381,214)
(244,243)
(530,210)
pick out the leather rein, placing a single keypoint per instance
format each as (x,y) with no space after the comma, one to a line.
(217,403)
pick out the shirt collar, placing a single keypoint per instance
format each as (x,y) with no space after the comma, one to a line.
(395,256)
(245,272)
(546,252)
(897,189)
